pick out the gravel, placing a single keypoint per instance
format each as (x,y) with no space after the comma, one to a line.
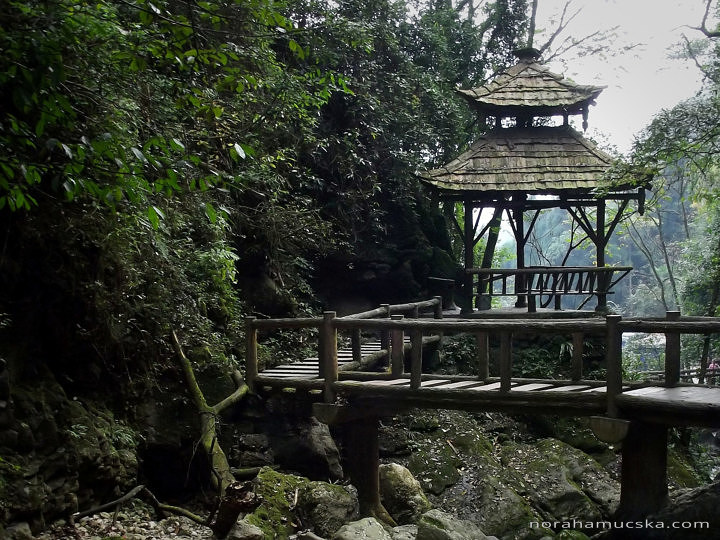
(136,522)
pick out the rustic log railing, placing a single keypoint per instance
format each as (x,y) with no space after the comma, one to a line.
(410,310)
(551,282)
(327,344)
(612,327)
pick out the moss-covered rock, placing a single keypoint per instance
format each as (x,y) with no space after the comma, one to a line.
(563,481)
(437,525)
(290,502)
(436,470)
(327,507)
(477,487)
(680,472)
(276,514)
(401,494)
(61,454)
(364,529)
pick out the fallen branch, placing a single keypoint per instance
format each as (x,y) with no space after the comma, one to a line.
(113,504)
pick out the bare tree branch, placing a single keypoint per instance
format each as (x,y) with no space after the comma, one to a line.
(561,25)
(703,28)
(691,53)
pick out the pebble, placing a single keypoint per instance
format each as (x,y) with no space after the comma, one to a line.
(137,523)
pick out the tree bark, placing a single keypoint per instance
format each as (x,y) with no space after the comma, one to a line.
(222,476)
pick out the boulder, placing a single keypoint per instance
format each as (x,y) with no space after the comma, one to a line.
(305,446)
(245,531)
(364,529)
(18,531)
(688,506)
(327,507)
(401,494)
(291,502)
(562,480)
(404,532)
(437,525)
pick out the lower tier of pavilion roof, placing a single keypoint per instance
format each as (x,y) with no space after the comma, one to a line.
(533,161)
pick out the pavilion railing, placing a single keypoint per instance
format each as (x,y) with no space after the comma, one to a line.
(546,284)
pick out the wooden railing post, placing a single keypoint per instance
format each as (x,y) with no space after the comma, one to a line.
(397,348)
(384,334)
(356,344)
(438,312)
(415,358)
(415,313)
(483,355)
(251,357)
(672,352)
(505,360)
(328,362)
(578,344)
(613,362)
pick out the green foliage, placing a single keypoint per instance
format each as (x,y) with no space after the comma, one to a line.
(183,156)
(459,354)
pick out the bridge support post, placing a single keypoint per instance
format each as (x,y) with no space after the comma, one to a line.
(363,465)
(644,470)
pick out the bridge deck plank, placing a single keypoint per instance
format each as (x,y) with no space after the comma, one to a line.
(568,388)
(532,387)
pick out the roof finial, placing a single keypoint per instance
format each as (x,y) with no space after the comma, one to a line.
(527,54)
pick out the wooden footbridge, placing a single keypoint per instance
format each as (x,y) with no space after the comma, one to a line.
(356,381)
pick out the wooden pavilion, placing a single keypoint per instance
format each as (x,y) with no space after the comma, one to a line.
(524,164)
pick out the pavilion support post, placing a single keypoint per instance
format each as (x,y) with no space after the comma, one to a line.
(469,243)
(520,280)
(643,489)
(601,240)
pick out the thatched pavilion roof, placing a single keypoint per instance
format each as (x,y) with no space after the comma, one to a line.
(529,87)
(536,161)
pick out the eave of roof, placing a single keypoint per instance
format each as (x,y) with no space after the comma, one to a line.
(538,160)
(529,85)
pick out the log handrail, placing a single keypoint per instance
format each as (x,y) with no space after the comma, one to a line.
(612,327)
(385,310)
